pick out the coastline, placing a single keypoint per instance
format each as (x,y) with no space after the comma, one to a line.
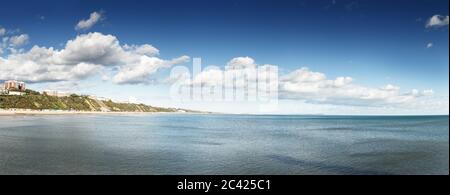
(18,112)
(60,112)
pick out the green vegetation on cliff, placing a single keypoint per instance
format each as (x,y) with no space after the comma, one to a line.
(35,101)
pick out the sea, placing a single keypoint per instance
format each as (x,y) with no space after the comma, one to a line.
(208,144)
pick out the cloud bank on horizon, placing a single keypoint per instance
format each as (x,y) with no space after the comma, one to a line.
(94,53)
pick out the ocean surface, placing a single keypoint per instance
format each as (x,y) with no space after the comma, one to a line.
(223,144)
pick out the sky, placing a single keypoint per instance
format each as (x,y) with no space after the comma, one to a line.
(332,56)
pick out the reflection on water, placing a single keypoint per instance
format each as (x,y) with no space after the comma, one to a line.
(223,144)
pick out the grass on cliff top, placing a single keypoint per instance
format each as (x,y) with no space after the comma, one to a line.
(35,101)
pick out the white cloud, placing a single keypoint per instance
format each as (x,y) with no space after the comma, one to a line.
(133,100)
(428,92)
(437,21)
(240,72)
(237,71)
(68,86)
(83,70)
(85,56)
(145,49)
(89,23)
(95,48)
(11,40)
(63,86)
(40,65)
(241,63)
(314,87)
(139,72)
(390,87)
(311,87)
(304,75)
(429,45)
(19,40)
(2,31)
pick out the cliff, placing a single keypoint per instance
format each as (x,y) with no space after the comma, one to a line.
(35,101)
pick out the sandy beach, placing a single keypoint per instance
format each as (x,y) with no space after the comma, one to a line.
(61,112)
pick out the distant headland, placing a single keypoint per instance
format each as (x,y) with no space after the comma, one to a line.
(17,99)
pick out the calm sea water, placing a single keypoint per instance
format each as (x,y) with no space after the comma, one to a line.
(223,144)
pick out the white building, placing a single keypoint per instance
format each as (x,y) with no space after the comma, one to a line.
(16,93)
(13,87)
(56,93)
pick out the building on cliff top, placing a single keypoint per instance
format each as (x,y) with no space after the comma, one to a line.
(13,85)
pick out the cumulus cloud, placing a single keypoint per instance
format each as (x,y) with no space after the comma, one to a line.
(95,48)
(239,72)
(41,65)
(305,85)
(314,87)
(82,57)
(139,72)
(8,43)
(145,49)
(94,18)
(437,21)
(19,40)
(241,63)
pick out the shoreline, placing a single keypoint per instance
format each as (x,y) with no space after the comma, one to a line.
(20,112)
(38,112)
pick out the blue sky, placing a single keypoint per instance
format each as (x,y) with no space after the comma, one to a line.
(376,43)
